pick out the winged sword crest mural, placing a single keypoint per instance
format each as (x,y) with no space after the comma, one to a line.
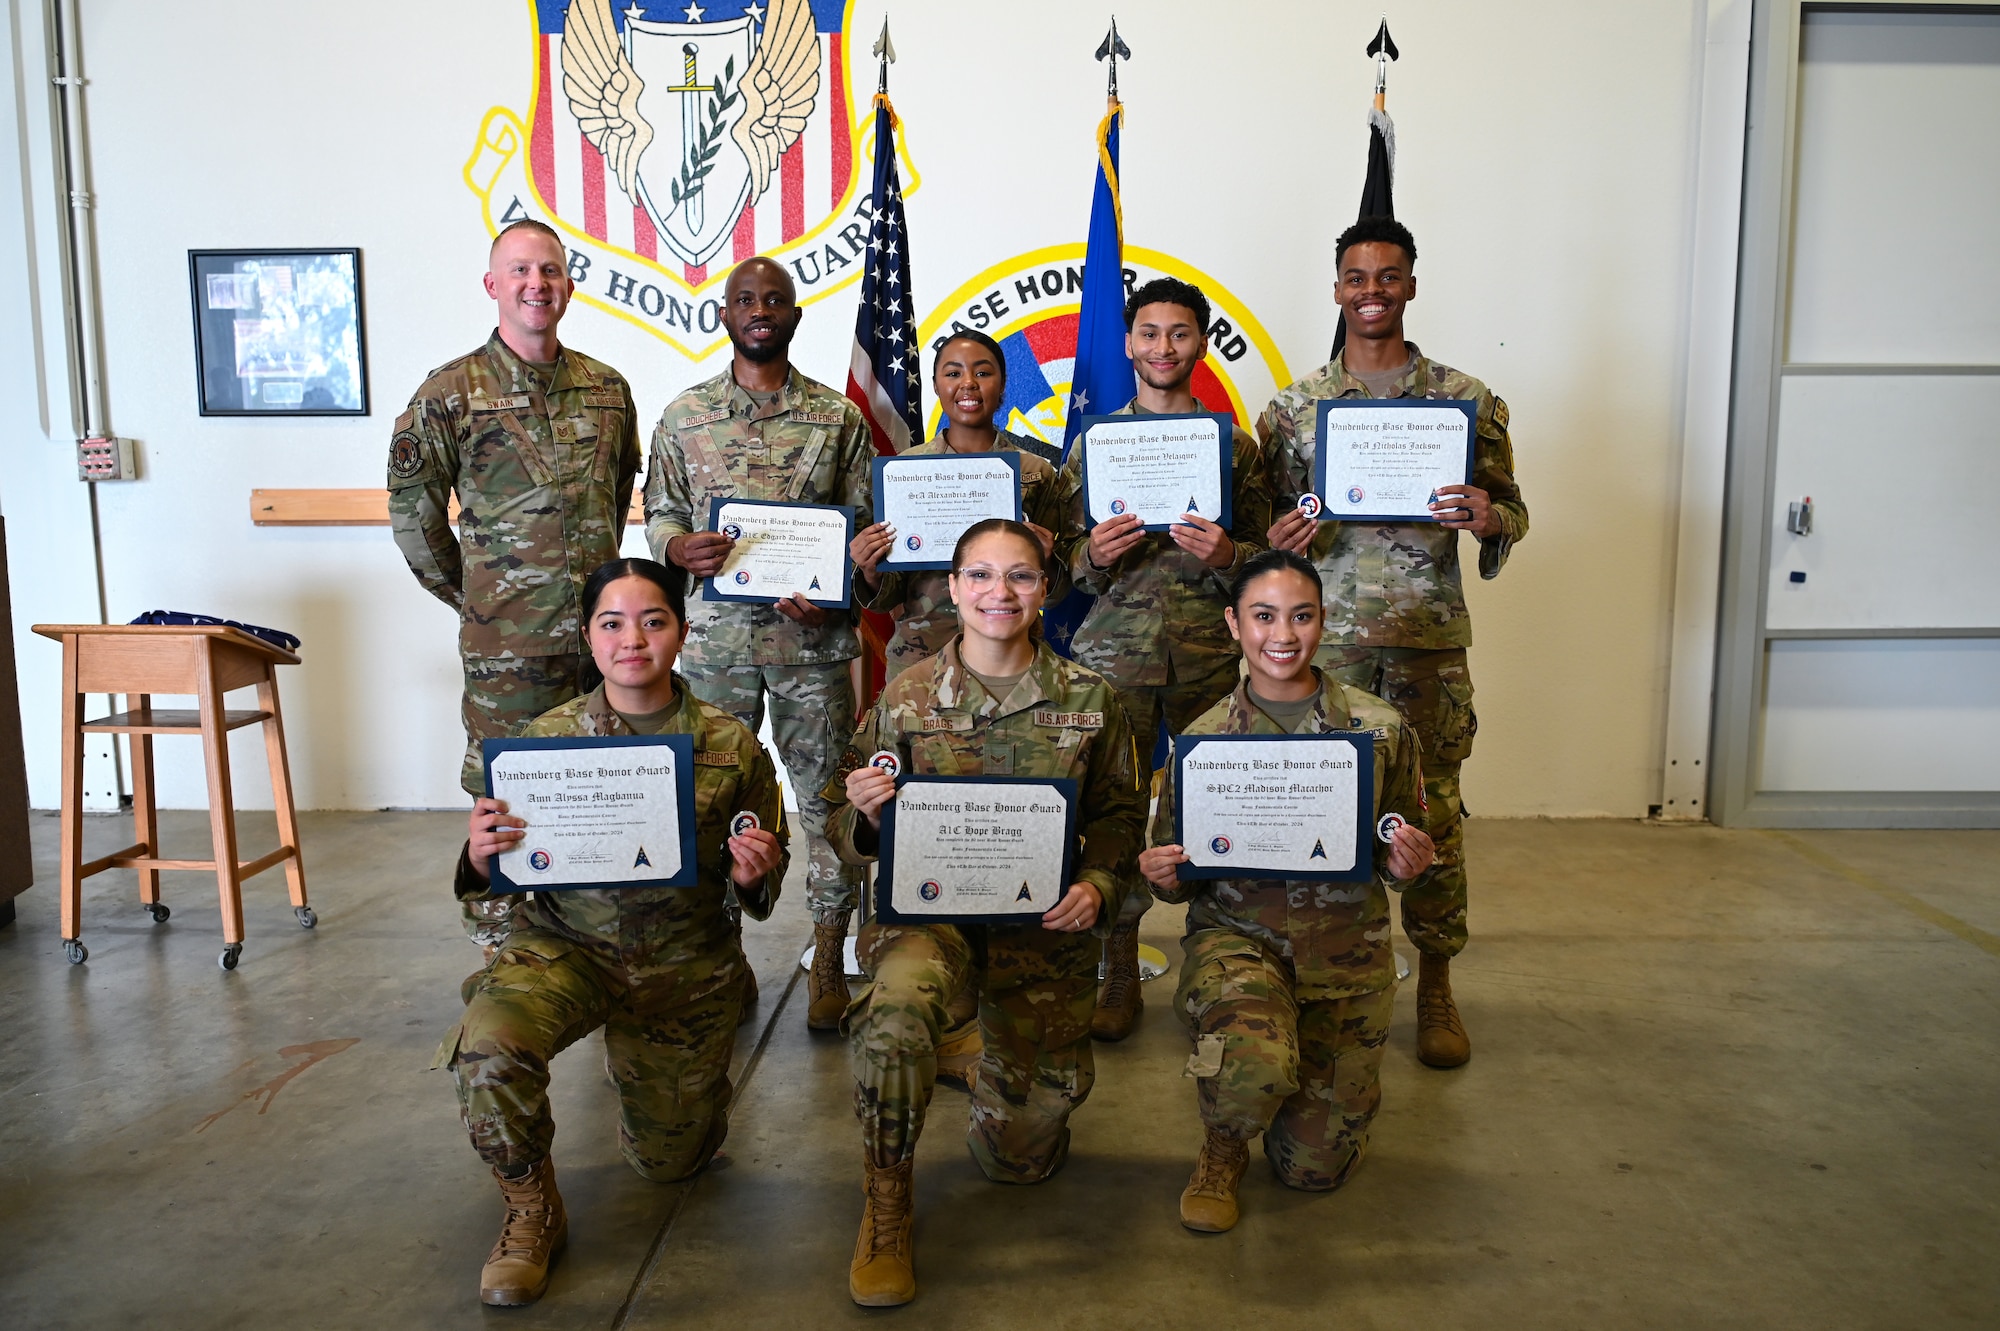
(666,142)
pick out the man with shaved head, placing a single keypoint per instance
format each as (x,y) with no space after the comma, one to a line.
(540,444)
(761,430)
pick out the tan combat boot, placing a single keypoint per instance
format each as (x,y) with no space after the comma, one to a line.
(884,1271)
(1208,1203)
(826,983)
(535,1230)
(1119,1001)
(1441,1040)
(960,1046)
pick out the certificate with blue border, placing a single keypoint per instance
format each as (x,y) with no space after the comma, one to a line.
(1159,467)
(976,849)
(1290,807)
(1382,459)
(931,498)
(603,811)
(782,549)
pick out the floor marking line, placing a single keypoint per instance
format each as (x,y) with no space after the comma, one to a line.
(659,1245)
(1917,906)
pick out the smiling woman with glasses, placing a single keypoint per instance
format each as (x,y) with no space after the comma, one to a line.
(994,702)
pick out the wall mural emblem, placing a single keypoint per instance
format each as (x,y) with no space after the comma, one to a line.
(668,141)
(1029,304)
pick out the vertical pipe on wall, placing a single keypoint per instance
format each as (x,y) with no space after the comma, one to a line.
(1717,220)
(80,290)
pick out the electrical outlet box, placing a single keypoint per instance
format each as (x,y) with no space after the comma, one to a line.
(105,460)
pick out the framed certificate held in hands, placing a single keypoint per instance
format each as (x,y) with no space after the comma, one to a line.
(1383,459)
(975,850)
(1159,467)
(1276,806)
(782,549)
(608,811)
(931,499)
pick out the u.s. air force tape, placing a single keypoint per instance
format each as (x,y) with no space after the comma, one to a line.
(1386,827)
(745,821)
(887,761)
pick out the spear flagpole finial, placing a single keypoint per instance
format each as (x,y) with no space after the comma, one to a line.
(1114,49)
(1383,48)
(885,51)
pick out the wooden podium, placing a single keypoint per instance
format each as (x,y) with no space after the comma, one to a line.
(139,660)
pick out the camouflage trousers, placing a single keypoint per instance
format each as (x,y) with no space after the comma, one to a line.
(539,995)
(812,719)
(1432,690)
(1178,704)
(502,694)
(1037,989)
(1306,1075)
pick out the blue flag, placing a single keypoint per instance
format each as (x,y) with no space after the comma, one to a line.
(1101,381)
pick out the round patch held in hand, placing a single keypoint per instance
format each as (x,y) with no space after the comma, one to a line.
(1386,827)
(1309,505)
(745,821)
(888,762)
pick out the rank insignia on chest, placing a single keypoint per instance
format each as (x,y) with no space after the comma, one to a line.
(1071,720)
(818,417)
(706,418)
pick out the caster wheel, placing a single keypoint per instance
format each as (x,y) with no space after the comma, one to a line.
(159,911)
(229,955)
(306,917)
(74,949)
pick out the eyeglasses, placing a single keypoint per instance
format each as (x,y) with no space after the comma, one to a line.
(1021,580)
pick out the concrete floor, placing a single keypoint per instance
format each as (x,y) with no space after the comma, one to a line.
(1722,1079)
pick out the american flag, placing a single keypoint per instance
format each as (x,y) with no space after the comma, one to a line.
(884,376)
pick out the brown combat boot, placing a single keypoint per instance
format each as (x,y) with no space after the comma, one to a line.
(1441,1040)
(958,1055)
(1208,1203)
(884,1271)
(1119,1001)
(535,1230)
(826,983)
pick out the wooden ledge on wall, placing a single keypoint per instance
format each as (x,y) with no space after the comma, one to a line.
(353,508)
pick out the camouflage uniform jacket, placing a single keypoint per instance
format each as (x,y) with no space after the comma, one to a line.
(1394,584)
(1159,606)
(920,601)
(1336,935)
(544,480)
(671,937)
(1061,720)
(811,446)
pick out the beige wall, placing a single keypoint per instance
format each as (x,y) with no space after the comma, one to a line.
(1546,167)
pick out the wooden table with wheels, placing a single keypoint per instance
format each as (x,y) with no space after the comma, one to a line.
(139,660)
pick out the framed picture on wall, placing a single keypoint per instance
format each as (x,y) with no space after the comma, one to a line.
(278,332)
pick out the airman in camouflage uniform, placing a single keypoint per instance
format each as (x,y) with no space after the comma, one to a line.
(661,970)
(1037,986)
(1396,621)
(1287,987)
(801,443)
(920,601)
(542,458)
(1156,630)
